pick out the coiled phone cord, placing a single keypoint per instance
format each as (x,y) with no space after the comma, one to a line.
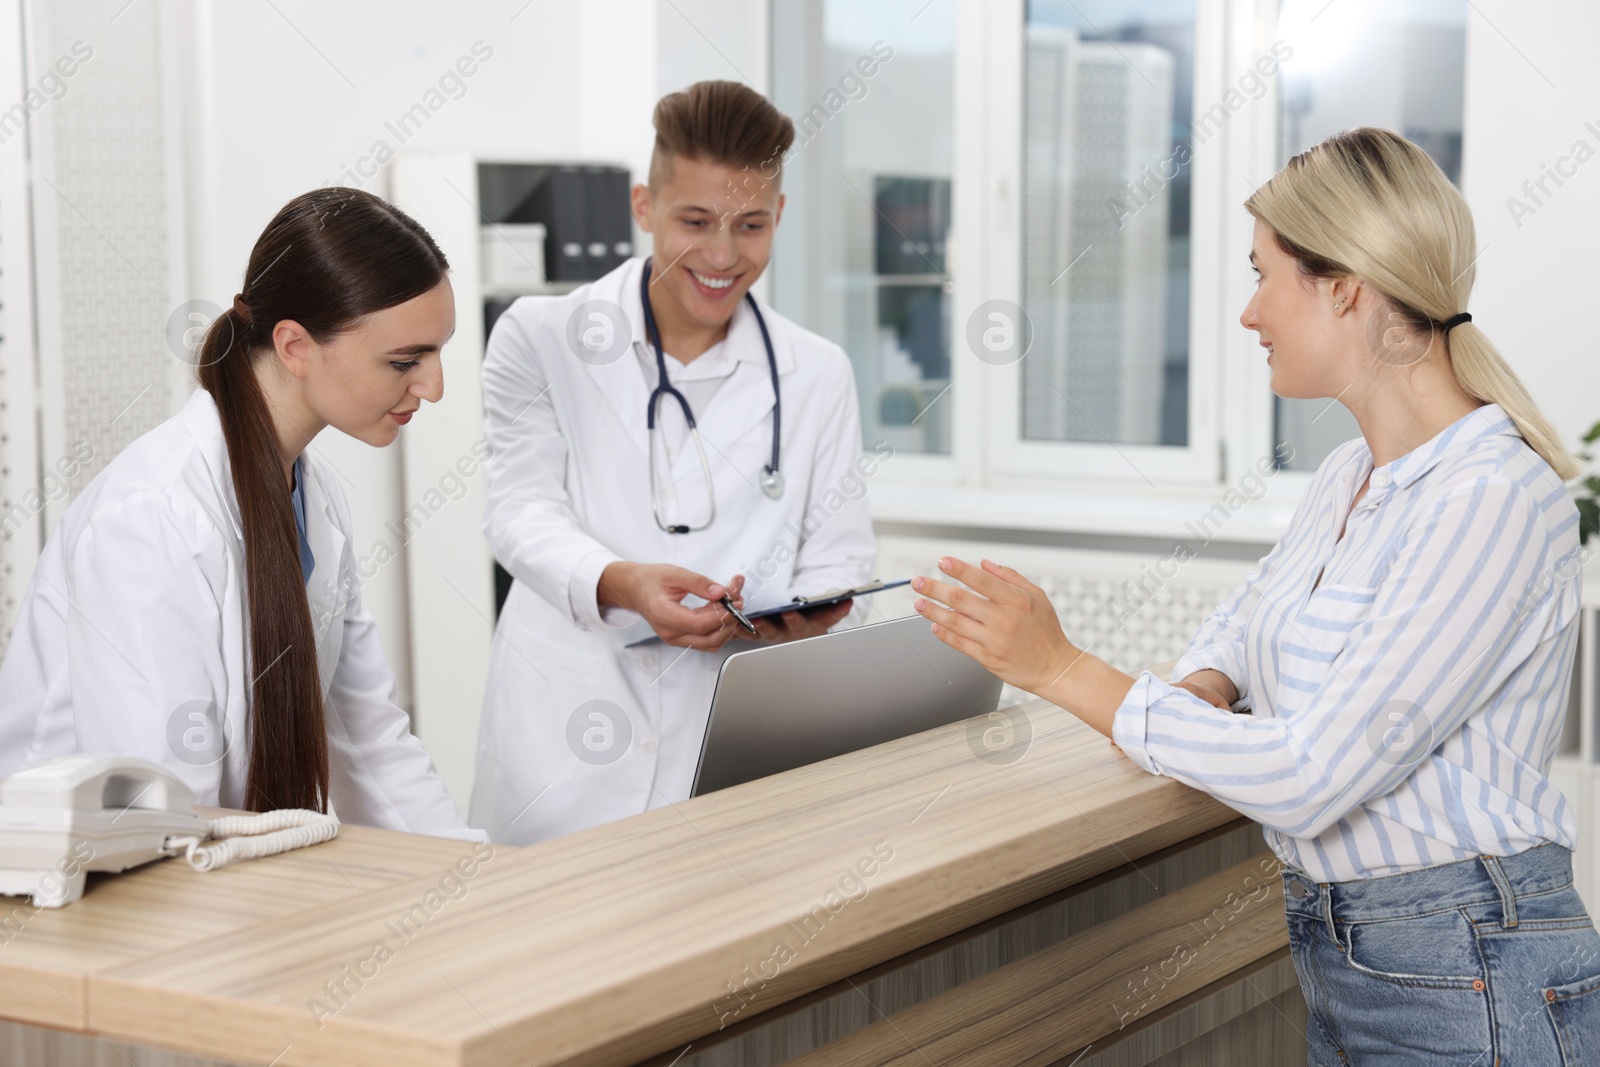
(248,837)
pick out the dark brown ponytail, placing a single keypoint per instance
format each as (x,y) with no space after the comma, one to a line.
(328,258)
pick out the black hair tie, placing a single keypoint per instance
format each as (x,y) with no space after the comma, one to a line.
(1455,320)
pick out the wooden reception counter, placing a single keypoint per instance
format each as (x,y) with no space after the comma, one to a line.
(927,901)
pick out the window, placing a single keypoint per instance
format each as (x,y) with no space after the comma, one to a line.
(1065,178)
(861,256)
(1106,201)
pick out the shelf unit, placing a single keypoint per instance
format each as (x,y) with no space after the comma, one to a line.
(450,571)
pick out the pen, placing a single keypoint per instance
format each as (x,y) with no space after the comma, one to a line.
(727,602)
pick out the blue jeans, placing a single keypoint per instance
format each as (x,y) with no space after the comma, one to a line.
(1485,962)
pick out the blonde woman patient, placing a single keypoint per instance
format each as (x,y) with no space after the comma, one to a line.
(1405,650)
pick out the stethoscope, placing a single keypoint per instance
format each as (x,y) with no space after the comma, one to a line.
(771,477)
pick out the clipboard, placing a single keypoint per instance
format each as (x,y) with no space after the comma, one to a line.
(806,603)
(822,600)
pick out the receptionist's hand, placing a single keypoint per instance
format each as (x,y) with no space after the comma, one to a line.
(793,625)
(656,591)
(1000,619)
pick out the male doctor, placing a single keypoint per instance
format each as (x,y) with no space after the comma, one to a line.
(751,484)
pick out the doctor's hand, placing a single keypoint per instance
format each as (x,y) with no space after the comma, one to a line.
(656,591)
(793,625)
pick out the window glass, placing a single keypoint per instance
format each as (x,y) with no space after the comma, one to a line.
(1107,144)
(861,254)
(1399,64)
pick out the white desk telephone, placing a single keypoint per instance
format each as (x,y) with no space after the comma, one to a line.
(65,817)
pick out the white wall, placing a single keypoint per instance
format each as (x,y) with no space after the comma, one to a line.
(297,96)
(704,39)
(1532,84)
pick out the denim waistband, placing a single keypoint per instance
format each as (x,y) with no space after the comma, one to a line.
(1447,885)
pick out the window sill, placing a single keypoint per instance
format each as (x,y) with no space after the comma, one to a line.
(1091,510)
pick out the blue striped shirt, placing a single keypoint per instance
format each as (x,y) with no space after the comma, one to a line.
(1404,712)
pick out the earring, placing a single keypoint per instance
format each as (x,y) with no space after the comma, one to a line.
(1337,304)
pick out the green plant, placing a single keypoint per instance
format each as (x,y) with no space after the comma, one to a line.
(1586,492)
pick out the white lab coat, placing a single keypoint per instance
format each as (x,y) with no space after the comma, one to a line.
(569,493)
(134,623)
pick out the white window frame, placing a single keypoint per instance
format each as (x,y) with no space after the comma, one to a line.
(19,455)
(1249,409)
(1012,457)
(1231,406)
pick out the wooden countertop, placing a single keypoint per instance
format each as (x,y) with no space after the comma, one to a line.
(47,955)
(602,947)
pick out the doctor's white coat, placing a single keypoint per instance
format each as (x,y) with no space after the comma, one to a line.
(577,729)
(132,637)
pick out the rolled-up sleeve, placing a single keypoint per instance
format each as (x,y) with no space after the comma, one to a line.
(1130,725)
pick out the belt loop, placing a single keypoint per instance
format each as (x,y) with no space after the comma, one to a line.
(1327,911)
(1508,896)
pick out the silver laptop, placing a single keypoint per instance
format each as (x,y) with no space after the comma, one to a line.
(784,706)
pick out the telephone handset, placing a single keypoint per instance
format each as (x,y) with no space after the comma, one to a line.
(65,817)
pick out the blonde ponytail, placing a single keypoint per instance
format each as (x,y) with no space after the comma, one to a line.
(1483,375)
(1369,204)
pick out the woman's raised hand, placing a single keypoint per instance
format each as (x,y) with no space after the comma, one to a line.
(1000,619)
